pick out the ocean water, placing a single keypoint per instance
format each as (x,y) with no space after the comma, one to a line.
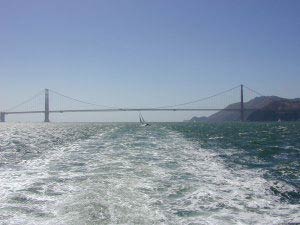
(168,173)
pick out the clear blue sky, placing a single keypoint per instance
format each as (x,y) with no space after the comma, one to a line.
(147,53)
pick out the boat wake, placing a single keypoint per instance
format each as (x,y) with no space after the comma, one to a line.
(117,174)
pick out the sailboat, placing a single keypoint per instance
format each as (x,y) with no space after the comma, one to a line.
(142,121)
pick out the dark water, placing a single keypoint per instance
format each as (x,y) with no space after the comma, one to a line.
(168,173)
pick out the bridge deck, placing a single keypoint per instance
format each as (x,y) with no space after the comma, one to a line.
(126,109)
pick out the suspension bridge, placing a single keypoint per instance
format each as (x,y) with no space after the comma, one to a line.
(46,109)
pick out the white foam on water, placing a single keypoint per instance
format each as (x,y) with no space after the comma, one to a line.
(125,174)
(224,195)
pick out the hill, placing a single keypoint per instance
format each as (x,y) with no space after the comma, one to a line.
(264,108)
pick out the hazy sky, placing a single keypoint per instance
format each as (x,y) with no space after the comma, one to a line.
(146,53)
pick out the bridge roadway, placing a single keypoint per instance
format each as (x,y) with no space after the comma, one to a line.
(126,110)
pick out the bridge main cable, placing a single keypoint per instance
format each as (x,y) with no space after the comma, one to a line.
(198,100)
(24,102)
(81,101)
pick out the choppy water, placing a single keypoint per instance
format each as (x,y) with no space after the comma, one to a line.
(173,173)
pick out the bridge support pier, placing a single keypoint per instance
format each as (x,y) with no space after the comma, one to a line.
(2,117)
(242,103)
(46,106)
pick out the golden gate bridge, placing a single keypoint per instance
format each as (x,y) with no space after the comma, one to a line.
(47,109)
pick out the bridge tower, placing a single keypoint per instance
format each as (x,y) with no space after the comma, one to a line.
(2,117)
(242,102)
(46,106)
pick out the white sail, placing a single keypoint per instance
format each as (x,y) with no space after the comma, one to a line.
(142,121)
